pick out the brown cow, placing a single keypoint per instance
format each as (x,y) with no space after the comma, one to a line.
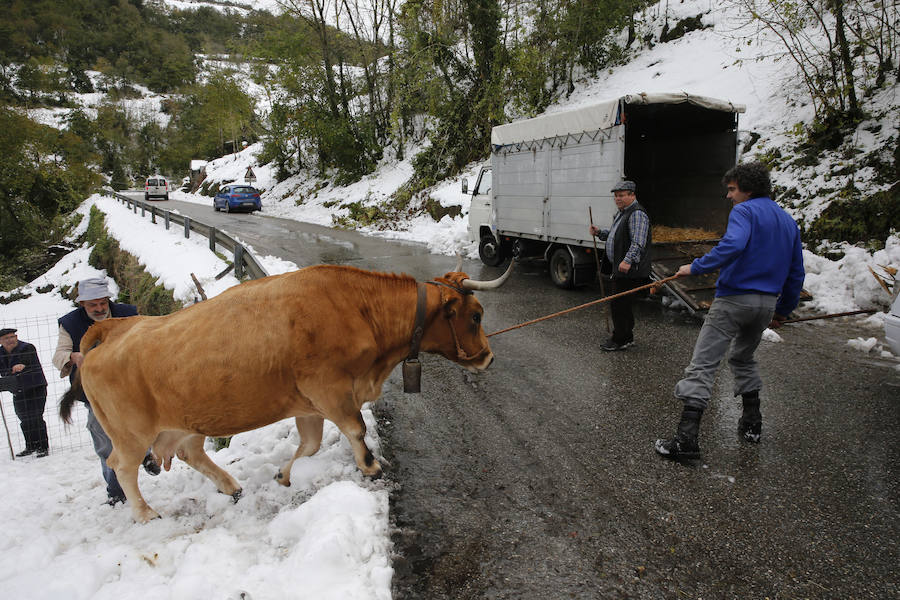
(313,344)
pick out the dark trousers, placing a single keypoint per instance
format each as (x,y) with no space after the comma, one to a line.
(620,309)
(29,406)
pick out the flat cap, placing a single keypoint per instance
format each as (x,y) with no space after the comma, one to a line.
(624,186)
(7,331)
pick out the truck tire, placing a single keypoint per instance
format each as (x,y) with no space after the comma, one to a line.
(562,268)
(489,251)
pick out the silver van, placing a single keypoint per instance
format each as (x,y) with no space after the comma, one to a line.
(156,186)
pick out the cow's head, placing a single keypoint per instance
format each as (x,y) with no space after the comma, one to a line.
(456,332)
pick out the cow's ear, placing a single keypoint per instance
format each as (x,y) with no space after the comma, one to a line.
(450,307)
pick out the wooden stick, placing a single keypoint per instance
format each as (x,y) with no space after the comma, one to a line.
(832,315)
(585,305)
(599,273)
(199,287)
(12,454)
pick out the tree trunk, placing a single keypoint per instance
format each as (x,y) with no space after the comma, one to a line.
(837,9)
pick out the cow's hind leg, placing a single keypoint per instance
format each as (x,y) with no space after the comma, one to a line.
(354,428)
(310,429)
(191,451)
(125,460)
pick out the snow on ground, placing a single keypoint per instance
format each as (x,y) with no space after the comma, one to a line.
(324,537)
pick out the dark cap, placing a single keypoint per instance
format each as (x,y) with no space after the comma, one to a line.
(7,331)
(624,186)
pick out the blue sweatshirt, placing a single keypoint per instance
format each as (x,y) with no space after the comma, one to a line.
(760,253)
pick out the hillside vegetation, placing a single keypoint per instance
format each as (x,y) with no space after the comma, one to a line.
(329,102)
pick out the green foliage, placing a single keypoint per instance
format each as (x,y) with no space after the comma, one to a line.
(856,219)
(213,118)
(96,229)
(220,443)
(133,41)
(42,178)
(136,285)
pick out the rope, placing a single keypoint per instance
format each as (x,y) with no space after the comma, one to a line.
(655,284)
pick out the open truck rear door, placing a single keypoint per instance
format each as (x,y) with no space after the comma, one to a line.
(697,291)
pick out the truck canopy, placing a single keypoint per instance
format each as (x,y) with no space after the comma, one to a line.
(675,147)
(595,117)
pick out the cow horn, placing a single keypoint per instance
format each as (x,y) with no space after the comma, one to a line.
(458,262)
(474,284)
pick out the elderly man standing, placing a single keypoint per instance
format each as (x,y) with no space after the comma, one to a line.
(760,258)
(627,258)
(95,305)
(24,377)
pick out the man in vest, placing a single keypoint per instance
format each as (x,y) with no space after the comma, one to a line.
(95,305)
(627,259)
(23,376)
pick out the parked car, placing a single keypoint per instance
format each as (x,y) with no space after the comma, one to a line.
(237,196)
(156,186)
(892,326)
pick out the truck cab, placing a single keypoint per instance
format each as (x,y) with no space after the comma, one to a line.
(481,221)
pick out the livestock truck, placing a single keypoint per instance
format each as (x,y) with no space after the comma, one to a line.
(548,176)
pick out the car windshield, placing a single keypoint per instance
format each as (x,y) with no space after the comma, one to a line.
(243,189)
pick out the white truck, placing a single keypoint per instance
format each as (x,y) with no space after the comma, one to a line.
(548,176)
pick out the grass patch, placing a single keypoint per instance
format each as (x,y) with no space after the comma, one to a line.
(136,285)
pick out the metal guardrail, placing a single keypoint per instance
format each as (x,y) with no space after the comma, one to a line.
(244,261)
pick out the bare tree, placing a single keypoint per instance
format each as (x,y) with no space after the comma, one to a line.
(834,43)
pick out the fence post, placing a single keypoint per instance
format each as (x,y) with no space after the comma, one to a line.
(239,261)
(166,214)
(135,208)
(142,210)
(153,214)
(212,239)
(187,227)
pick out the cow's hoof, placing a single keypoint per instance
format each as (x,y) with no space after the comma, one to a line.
(145,516)
(237,495)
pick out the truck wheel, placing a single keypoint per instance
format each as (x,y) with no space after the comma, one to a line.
(562,269)
(489,251)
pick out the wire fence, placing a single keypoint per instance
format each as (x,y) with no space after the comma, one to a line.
(42,331)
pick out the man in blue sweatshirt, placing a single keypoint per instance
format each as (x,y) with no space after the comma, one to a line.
(760,258)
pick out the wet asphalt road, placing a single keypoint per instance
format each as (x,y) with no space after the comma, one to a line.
(537,479)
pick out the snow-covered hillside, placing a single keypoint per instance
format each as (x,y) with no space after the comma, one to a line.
(729,57)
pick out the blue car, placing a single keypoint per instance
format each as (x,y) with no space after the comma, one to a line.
(237,197)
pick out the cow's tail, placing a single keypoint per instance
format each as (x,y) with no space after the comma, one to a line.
(92,337)
(73,394)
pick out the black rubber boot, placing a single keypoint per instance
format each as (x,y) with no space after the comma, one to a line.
(684,445)
(150,465)
(26,452)
(750,423)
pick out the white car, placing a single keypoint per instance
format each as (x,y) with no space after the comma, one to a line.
(892,326)
(156,186)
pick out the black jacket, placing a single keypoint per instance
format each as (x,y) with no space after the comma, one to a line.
(23,354)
